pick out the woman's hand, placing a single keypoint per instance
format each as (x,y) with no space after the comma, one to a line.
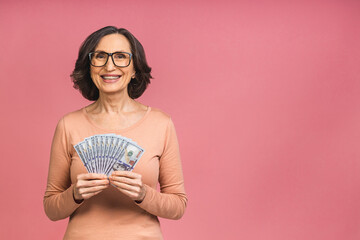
(89,184)
(129,183)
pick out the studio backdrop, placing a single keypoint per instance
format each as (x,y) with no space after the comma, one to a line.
(264,95)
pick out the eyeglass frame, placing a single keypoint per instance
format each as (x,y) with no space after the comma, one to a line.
(107,59)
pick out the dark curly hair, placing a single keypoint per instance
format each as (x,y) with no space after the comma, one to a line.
(81,74)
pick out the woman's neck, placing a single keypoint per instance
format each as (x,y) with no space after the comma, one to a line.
(114,104)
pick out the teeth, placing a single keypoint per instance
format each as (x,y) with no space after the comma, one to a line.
(110,77)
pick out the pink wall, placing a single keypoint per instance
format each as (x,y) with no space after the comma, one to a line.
(265,97)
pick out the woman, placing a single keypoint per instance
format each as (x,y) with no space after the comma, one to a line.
(111,70)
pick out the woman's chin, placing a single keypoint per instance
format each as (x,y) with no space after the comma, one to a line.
(112,91)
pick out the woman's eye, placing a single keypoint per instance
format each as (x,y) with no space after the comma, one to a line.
(120,56)
(100,55)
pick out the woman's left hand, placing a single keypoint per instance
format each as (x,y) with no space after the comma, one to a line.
(129,183)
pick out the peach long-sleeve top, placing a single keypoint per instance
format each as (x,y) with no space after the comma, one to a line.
(110,214)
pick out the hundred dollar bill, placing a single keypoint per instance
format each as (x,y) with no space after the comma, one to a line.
(82,157)
(128,159)
(105,153)
(115,143)
(118,152)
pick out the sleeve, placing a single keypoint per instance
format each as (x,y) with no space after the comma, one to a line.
(171,201)
(58,199)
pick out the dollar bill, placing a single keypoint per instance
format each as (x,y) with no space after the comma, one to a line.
(105,153)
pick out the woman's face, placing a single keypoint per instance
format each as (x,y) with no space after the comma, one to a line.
(110,78)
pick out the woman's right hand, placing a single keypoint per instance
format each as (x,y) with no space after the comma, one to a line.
(88,185)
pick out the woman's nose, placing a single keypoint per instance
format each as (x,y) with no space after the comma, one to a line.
(110,65)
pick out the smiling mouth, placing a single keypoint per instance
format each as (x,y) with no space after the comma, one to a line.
(112,77)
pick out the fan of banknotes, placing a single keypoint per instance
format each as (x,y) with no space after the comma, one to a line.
(106,153)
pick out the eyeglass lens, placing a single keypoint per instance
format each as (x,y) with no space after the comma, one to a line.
(120,59)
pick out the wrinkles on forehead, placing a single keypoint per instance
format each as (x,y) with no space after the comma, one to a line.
(114,43)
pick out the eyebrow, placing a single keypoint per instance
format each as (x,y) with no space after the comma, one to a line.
(113,52)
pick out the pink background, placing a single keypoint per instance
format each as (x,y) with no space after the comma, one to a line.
(265,96)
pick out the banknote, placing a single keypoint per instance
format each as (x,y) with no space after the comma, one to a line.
(128,158)
(105,153)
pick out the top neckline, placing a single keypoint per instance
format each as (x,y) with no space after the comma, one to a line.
(118,129)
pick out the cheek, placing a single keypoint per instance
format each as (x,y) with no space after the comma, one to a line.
(132,72)
(94,75)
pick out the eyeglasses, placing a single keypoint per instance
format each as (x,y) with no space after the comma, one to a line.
(120,59)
